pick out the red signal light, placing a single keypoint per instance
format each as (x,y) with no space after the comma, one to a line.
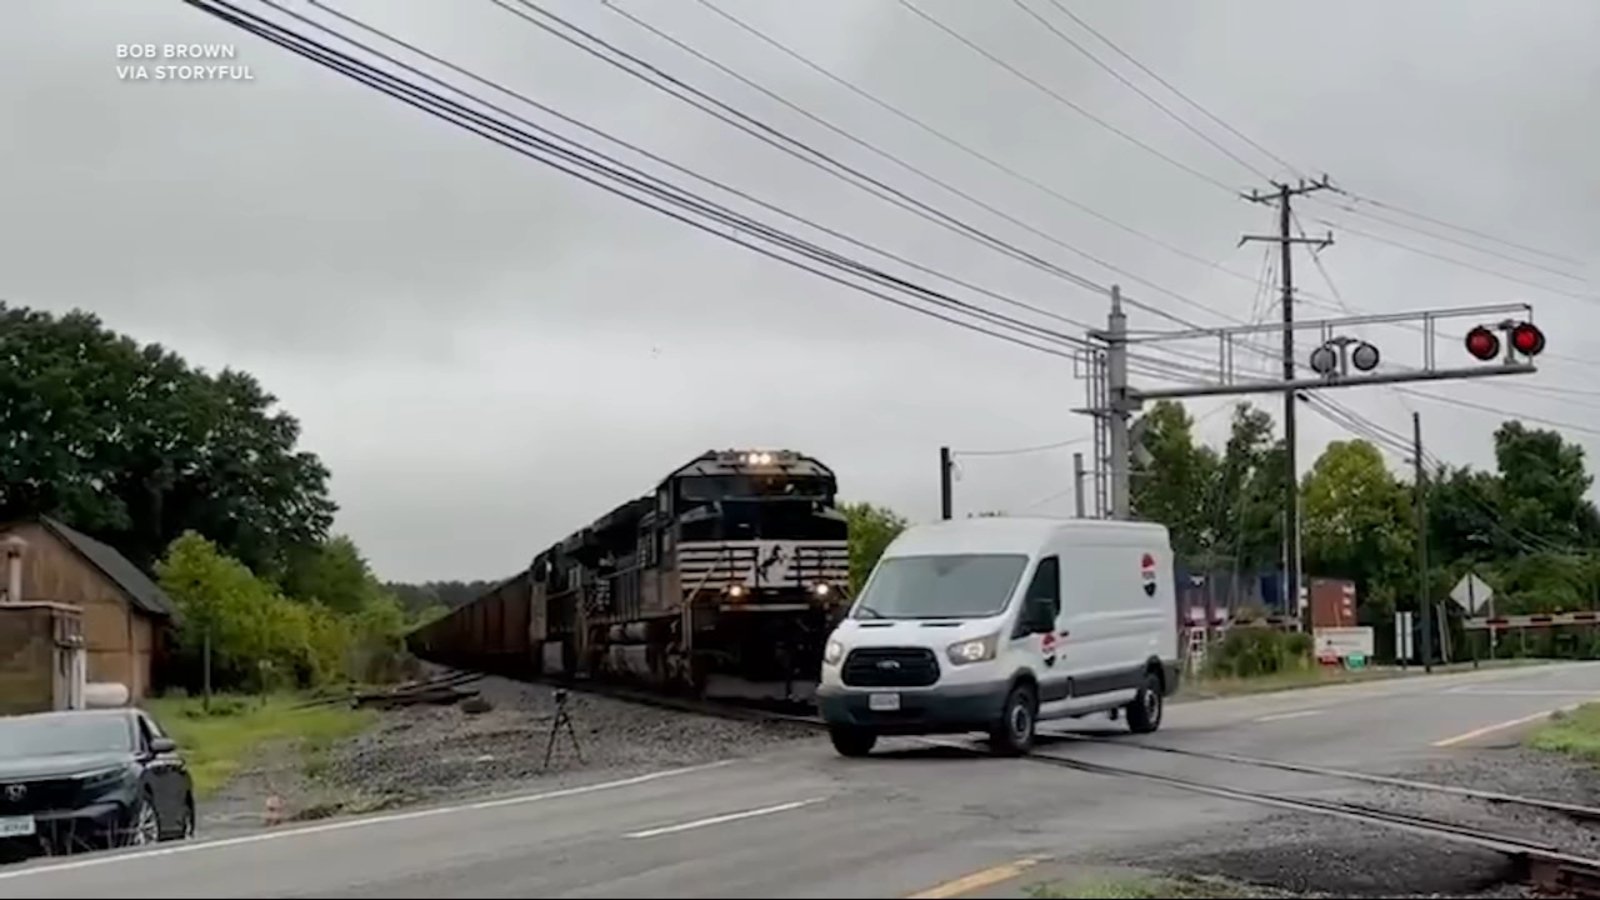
(1527,339)
(1485,344)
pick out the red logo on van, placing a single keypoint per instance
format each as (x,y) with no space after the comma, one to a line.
(1147,574)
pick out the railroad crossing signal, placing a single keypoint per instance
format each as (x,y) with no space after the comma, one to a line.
(1522,338)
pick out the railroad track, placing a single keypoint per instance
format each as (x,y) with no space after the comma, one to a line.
(1546,867)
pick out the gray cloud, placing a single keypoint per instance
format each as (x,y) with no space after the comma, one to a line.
(489,354)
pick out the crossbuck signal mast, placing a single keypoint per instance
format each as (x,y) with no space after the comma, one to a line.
(1336,360)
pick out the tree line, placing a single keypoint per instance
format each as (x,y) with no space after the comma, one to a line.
(196,477)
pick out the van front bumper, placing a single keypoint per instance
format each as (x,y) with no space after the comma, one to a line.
(939,710)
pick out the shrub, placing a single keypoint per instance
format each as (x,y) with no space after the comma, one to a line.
(1251,652)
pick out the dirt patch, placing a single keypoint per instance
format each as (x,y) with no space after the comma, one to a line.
(440,753)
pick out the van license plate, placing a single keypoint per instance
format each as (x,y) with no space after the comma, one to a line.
(17,826)
(884,702)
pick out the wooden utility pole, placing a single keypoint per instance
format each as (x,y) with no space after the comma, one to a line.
(1285,240)
(1424,605)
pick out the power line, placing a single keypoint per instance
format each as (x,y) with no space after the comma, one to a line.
(482,125)
(1173,88)
(859,141)
(684,170)
(1018,451)
(1034,183)
(1084,51)
(1467,404)
(1063,100)
(1395,223)
(1464,230)
(1458,262)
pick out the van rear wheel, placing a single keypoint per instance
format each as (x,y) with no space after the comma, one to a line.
(1013,734)
(1144,713)
(852,741)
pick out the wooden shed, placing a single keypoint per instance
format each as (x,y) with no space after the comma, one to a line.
(125,615)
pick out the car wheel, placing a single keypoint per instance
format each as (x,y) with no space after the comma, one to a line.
(852,741)
(1013,734)
(144,824)
(1144,713)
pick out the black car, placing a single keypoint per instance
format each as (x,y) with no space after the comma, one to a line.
(90,779)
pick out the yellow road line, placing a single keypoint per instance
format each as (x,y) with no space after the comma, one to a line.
(966,884)
(1502,726)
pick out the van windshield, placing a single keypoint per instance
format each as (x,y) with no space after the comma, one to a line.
(957,586)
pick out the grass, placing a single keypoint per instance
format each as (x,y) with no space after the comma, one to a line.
(1208,688)
(217,744)
(1575,733)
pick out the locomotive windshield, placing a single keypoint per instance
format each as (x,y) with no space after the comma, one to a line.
(706,488)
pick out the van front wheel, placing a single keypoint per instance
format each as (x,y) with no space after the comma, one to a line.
(852,741)
(1013,734)
(1144,713)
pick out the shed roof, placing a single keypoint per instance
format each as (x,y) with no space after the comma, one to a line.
(140,590)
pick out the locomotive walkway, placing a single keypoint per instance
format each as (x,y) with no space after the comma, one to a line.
(915,820)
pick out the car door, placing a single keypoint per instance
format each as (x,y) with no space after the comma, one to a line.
(1045,588)
(166,771)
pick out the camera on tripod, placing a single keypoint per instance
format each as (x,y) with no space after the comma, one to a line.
(561,696)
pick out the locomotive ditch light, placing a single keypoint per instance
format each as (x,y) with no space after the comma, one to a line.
(736,591)
(822,590)
(1527,339)
(1365,357)
(1483,343)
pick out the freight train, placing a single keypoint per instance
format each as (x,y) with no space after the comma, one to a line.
(723,582)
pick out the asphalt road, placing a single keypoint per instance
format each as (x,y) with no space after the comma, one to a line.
(913,820)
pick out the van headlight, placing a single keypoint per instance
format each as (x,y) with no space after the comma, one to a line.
(974,651)
(833,653)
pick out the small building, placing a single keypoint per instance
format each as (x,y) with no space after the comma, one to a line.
(125,616)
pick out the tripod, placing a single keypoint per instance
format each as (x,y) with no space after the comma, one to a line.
(562,717)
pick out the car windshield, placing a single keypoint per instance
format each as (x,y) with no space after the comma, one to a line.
(57,735)
(957,586)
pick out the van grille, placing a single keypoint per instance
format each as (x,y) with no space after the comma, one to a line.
(890,667)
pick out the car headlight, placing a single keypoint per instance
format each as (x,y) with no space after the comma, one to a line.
(833,653)
(103,779)
(973,651)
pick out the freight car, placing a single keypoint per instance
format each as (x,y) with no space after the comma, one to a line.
(723,582)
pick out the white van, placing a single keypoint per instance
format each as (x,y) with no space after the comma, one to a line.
(992,624)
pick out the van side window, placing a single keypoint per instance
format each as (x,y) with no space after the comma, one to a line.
(1046,585)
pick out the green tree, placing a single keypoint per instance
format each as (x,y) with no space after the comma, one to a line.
(1357,521)
(1173,485)
(332,573)
(129,443)
(872,528)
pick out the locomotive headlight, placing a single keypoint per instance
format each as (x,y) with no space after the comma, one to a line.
(736,590)
(822,590)
(833,653)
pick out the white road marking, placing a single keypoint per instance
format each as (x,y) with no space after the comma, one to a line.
(719,820)
(1516,692)
(358,823)
(1297,714)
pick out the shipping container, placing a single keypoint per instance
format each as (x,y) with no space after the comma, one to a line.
(1333,603)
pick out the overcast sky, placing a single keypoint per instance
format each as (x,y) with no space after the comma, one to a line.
(489,354)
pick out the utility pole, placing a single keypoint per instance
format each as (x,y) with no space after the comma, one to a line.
(1122,406)
(1077,482)
(1424,604)
(1285,240)
(945,468)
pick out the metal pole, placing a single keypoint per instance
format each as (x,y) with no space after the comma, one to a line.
(1424,605)
(1117,419)
(945,466)
(1077,482)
